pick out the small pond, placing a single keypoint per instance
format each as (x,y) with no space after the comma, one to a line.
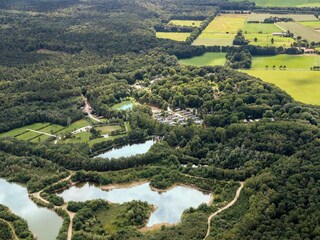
(43,223)
(170,205)
(128,150)
(125,105)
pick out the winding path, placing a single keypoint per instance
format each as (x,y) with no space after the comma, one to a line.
(230,204)
(12,228)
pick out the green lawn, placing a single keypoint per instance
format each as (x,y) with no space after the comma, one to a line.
(187,23)
(312,24)
(292,62)
(206,59)
(303,86)
(108,129)
(73,126)
(177,36)
(28,135)
(18,131)
(260,27)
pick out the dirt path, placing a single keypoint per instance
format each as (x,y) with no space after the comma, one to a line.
(87,109)
(230,204)
(11,227)
(48,134)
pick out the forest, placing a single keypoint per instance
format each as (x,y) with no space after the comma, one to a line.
(56,53)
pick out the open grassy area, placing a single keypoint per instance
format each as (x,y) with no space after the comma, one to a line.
(300,30)
(53,128)
(206,59)
(286,3)
(28,135)
(221,31)
(187,23)
(312,24)
(73,126)
(303,86)
(296,17)
(108,129)
(260,28)
(177,36)
(264,40)
(292,62)
(18,131)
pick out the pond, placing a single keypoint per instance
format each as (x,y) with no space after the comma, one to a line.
(128,150)
(125,105)
(43,223)
(170,204)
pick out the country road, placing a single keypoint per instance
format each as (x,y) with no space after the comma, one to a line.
(11,227)
(230,204)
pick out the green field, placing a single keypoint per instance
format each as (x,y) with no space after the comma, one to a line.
(53,128)
(292,62)
(177,36)
(206,59)
(187,23)
(73,126)
(28,135)
(300,30)
(303,86)
(221,31)
(296,17)
(286,3)
(260,28)
(263,33)
(108,129)
(18,131)
(312,24)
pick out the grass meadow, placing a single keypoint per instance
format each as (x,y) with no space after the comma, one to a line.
(177,36)
(187,23)
(303,86)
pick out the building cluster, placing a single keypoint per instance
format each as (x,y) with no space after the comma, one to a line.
(178,117)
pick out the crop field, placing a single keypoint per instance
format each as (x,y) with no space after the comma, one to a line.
(177,36)
(230,23)
(300,30)
(292,62)
(260,28)
(211,59)
(312,24)
(287,3)
(296,17)
(187,23)
(221,30)
(301,85)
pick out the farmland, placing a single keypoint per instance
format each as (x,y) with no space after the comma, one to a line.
(301,85)
(187,23)
(292,62)
(296,17)
(291,3)
(177,36)
(221,30)
(312,24)
(300,30)
(207,59)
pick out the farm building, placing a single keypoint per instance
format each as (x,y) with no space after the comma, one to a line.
(278,34)
(309,50)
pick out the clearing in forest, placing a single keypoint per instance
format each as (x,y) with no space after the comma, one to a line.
(177,36)
(186,23)
(207,59)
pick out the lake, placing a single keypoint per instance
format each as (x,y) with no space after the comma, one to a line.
(170,204)
(43,223)
(128,150)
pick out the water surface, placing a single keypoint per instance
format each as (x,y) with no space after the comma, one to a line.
(170,205)
(43,223)
(128,150)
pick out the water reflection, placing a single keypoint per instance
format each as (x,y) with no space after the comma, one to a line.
(128,150)
(42,222)
(170,205)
